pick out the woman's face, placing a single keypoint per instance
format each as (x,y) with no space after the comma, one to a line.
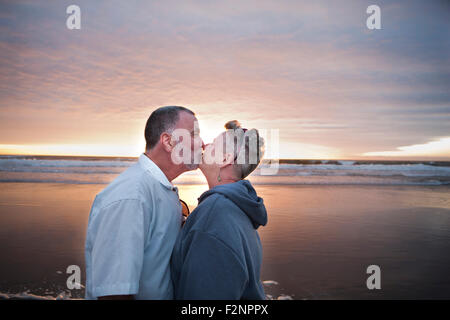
(213,155)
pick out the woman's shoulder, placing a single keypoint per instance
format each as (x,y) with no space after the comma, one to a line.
(213,215)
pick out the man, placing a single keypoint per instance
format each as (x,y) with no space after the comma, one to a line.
(135,220)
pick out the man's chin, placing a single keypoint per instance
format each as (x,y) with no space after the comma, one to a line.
(190,167)
(201,166)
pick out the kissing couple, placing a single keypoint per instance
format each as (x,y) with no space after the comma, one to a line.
(142,243)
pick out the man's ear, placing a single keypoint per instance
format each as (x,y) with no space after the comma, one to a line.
(166,141)
(228,159)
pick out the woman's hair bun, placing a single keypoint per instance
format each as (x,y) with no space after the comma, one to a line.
(232,125)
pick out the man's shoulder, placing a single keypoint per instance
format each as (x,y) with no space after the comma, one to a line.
(134,183)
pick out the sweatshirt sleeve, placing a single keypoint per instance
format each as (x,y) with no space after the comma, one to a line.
(211,270)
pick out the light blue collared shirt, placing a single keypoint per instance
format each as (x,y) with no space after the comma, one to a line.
(133,225)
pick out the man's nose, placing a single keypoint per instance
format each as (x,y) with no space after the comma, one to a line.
(203,145)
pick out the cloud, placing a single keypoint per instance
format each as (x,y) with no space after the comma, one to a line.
(436,148)
(311,69)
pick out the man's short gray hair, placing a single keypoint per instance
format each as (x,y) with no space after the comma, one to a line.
(162,120)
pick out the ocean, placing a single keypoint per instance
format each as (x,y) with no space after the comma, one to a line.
(99,170)
(328,221)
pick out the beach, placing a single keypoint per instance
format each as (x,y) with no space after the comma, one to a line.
(343,106)
(318,242)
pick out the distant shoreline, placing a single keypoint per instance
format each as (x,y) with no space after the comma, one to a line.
(439,163)
(365,162)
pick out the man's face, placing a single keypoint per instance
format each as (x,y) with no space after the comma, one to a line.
(188,128)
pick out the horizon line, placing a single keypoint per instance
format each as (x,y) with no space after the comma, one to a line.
(380,158)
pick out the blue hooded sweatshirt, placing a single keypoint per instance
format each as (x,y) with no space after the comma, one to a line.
(218,252)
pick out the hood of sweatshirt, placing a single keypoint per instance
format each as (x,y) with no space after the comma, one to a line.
(244,196)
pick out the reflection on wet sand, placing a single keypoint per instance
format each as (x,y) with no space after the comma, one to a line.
(317,245)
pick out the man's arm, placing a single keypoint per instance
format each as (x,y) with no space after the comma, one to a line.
(118,249)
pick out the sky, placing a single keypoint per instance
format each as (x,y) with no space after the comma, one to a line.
(310,69)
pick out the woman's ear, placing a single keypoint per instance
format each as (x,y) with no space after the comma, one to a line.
(228,159)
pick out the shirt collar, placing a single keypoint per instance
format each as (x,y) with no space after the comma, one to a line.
(147,164)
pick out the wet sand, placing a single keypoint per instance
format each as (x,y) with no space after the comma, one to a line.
(317,244)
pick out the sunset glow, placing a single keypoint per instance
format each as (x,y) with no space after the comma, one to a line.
(314,71)
(73,150)
(439,148)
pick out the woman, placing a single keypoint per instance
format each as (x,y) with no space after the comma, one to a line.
(218,252)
